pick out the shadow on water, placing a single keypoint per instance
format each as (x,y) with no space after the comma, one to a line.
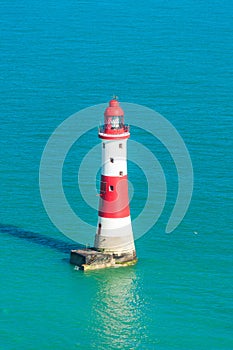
(38,238)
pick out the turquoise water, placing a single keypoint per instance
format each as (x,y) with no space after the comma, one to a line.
(174,57)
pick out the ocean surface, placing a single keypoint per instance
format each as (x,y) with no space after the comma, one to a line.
(175,57)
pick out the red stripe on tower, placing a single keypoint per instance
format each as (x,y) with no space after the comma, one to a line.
(114,202)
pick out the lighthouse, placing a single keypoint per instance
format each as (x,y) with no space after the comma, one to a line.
(114,230)
(114,242)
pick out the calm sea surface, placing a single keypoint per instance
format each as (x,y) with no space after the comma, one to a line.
(175,57)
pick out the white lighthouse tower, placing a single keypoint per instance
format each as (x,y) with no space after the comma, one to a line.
(114,230)
(114,242)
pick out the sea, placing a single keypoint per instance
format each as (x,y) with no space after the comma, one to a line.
(173,57)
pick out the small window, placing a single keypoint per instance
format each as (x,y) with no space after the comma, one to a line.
(99,229)
(103,145)
(102,187)
(111,160)
(120,145)
(111,188)
(121,173)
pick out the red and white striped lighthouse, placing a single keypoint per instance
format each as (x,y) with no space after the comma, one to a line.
(114,230)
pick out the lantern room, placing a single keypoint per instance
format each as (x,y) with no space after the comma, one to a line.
(114,118)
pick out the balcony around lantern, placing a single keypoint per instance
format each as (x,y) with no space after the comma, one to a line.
(106,131)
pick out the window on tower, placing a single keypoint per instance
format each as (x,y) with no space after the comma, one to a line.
(120,145)
(121,173)
(111,160)
(103,145)
(111,188)
(103,187)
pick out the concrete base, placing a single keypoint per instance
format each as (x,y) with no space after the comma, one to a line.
(91,259)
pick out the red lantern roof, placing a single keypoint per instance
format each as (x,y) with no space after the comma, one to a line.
(114,109)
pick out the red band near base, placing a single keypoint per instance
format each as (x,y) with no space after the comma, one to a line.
(114,200)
